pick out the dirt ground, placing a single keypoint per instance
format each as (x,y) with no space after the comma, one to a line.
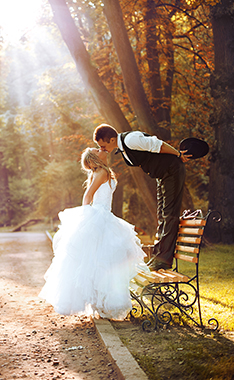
(35,342)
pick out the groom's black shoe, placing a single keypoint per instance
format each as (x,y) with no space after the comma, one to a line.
(155,265)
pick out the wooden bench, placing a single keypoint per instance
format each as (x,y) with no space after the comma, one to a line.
(168,294)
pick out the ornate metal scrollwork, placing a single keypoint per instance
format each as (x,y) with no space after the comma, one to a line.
(165,301)
(216,216)
(134,310)
(214,323)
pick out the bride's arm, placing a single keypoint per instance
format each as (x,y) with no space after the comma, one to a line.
(99,178)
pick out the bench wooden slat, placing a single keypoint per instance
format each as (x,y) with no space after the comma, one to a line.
(154,276)
(192,222)
(166,287)
(150,275)
(173,276)
(190,259)
(136,288)
(180,276)
(191,231)
(185,248)
(162,276)
(188,239)
(141,279)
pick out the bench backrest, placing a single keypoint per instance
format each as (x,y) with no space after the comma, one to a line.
(189,240)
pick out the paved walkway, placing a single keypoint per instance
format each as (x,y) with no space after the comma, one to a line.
(37,342)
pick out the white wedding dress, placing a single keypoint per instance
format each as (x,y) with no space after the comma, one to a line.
(95,256)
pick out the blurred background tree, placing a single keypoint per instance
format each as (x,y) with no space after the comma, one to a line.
(45,124)
(141,65)
(150,60)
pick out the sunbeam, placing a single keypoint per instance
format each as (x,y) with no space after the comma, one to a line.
(17,17)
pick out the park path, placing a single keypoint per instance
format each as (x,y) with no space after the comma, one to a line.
(35,342)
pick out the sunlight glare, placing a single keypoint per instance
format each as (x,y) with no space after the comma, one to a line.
(18,16)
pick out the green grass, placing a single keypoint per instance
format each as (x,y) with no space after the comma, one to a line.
(216,271)
(183,351)
(186,354)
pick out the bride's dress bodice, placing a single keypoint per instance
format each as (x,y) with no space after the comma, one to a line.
(103,196)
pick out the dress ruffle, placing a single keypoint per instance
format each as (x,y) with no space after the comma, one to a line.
(95,256)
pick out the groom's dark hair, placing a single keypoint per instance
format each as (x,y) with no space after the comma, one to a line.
(104,132)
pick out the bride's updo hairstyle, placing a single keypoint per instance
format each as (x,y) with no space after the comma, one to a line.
(91,163)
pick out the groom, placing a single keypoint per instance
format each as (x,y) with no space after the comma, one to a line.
(163,162)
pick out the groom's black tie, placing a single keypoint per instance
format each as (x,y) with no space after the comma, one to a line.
(125,157)
(118,151)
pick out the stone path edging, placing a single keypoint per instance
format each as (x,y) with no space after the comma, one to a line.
(128,367)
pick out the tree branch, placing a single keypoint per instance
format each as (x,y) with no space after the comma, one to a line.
(181,10)
(195,53)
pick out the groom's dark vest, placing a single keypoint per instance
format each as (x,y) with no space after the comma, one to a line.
(154,164)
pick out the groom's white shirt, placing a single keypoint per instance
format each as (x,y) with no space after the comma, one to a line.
(138,141)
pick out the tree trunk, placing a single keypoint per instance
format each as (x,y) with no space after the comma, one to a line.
(141,179)
(131,75)
(117,206)
(104,101)
(106,105)
(169,79)
(5,210)
(222,85)
(152,40)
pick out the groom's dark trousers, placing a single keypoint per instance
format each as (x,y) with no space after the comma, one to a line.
(169,172)
(169,200)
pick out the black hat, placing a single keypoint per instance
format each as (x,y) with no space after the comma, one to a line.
(196,147)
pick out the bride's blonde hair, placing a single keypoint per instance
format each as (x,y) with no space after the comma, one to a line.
(91,163)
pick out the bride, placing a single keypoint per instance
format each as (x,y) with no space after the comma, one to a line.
(95,253)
